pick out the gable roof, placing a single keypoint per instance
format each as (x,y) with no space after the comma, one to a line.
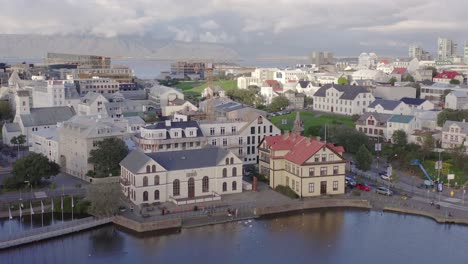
(304,84)
(135,160)
(47,116)
(272,83)
(386,104)
(350,92)
(190,159)
(462,125)
(12,127)
(382,118)
(400,71)
(405,119)
(300,148)
(447,75)
(412,101)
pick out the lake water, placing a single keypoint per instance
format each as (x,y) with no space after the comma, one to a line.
(335,236)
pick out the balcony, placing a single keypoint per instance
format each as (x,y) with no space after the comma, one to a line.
(124,182)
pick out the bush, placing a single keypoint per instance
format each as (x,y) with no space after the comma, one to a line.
(53,186)
(286,190)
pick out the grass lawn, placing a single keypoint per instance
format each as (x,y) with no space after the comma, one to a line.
(448,168)
(310,119)
(198,86)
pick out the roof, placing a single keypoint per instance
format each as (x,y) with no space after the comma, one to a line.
(350,92)
(47,116)
(178,125)
(177,160)
(49,133)
(447,75)
(386,104)
(22,93)
(272,83)
(412,101)
(304,84)
(382,118)
(400,71)
(401,119)
(12,127)
(300,148)
(462,125)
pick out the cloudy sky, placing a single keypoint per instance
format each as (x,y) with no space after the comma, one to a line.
(286,27)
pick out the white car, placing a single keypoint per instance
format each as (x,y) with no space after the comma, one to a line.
(385,177)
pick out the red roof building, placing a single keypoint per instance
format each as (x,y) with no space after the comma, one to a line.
(447,76)
(401,71)
(310,167)
(273,83)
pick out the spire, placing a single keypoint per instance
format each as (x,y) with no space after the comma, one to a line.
(297,125)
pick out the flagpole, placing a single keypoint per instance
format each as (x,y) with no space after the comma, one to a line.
(61,205)
(31,212)
(52,212)
(9,216)
(72,205)
(42,214)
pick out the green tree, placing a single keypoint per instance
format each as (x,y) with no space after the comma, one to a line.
(427,145)
(392,81)
(363,159)
(18,141)
(278,103)
(249,97)
(32,168)
(349,138)
(400,138)
(408,78)
(5,111)
(452,115)
(104,198)
(308,101)
(342,80)
(150,117)
(454,81)
(107,156)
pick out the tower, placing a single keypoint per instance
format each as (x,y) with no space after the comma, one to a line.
(297,128)
(22,103)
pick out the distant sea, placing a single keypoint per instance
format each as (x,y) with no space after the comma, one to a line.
(148,69)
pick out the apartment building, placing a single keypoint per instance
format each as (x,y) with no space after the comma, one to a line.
(455,134)
(342,99)
(96,85)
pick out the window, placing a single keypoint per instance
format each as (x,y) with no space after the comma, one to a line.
(223,130)
(225,143)
(317,158)
(234,171)
(234,185)
(156,180)
(212,131)
(153,168)
(253,150)
(253,140)
(232,160)
(224,186)
(248,151)
(148,169)
(241,141)
(323,171)
(224,173)
(227,161)
(335,170)
(271,129)
(145,181)
(311,171)
(205,184)
(335,185)
(213,142)
(287,181)
(252,130)
(233,129)
(330,157)
(324,157)
(176,188)
(259,130)
(311,188)
(156,195)
(145,196)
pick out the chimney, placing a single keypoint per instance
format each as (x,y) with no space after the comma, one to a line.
(318,138)
(168,123)
(286,134)
(308,141)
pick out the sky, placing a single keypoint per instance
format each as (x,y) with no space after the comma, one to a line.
(281,27)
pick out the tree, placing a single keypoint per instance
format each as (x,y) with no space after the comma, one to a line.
(443,96)
(107,156)
(18,141)
(408,78)
(245,96)
(33,168)
(454,81)
(452,115)
(5,111)
(308,101)
(392,81)
(104,198)
(278,103)
(363,159)
(400,138)
(342,80)
(427,144)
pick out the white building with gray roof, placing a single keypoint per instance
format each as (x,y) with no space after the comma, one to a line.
(455,134)
(342,99)
(182,177)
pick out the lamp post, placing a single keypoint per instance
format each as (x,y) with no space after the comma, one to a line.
(30,199)
(390,169)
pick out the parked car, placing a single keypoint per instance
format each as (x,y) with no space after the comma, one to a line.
(350,182)
(384,191)
(385,177)
(363,187)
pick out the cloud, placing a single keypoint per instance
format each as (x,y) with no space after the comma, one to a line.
(209,24)
(243,21)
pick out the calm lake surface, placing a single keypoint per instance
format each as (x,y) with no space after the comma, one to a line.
(335,236)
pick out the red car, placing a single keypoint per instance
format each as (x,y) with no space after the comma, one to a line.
(363,187)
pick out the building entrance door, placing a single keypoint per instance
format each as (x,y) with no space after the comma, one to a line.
(323,187)
(191,188)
